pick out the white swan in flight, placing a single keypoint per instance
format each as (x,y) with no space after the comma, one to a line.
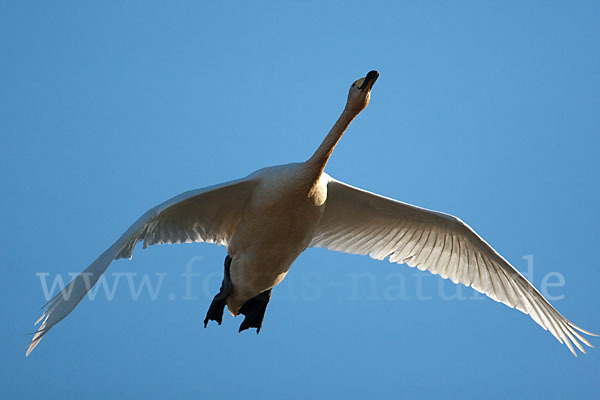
(268,218)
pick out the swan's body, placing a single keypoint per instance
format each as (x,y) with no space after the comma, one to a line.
(272,233)
(268,218)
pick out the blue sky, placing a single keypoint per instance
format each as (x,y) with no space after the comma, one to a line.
(488,111)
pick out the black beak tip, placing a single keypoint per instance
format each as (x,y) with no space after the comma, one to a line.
(370,79)
(372,75)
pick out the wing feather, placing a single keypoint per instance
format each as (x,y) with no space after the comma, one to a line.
(204,215)
(359,222)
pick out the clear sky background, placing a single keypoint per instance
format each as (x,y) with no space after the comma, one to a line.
(486,110)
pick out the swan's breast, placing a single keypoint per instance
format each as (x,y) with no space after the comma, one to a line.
(282,213)
(278,224)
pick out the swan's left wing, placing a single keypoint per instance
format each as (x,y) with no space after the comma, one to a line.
(359,222)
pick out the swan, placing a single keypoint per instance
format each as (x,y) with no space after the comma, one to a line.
(268,218)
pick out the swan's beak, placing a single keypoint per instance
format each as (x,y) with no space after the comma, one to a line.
(369,80)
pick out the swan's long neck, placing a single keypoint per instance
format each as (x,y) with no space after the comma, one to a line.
(317,162)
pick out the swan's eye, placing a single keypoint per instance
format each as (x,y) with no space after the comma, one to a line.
(358,83)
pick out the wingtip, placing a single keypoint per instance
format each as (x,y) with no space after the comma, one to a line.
(38,334)
(32,346)
(583,330)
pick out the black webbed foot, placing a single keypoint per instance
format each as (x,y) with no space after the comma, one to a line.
(215,311)
(254,311)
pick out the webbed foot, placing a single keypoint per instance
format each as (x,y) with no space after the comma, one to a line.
(254,311)
(215,311)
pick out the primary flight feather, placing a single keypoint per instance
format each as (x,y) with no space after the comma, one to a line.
(268,218)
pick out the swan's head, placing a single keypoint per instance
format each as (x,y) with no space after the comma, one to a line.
(360,92)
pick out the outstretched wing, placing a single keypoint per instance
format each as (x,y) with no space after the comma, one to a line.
(205,215)
(359,222)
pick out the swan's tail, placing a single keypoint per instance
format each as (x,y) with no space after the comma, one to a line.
(64,302)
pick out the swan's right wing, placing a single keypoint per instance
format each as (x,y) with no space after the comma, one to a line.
(359,222)
(208,215)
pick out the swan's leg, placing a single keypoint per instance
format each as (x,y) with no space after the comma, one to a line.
(254,311)
(215,311)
